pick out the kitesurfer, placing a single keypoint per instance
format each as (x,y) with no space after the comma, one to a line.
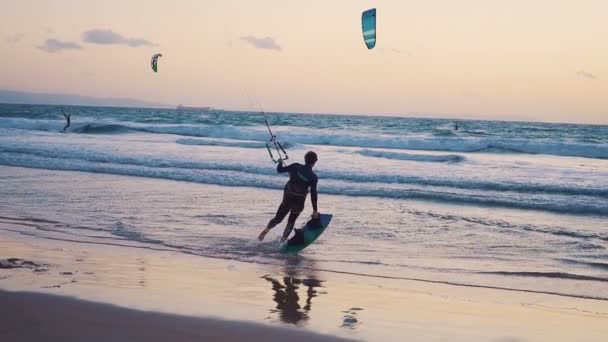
(301,178)
(67,121)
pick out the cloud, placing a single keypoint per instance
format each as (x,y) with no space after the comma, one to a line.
(584,74)
(15,38)
(54,45)
(266,43)
(109,37)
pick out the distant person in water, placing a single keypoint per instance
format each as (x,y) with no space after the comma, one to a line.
(455,126)
(67,121)
(301,178)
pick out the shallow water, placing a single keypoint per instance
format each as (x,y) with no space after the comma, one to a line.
(411,198)
(369,237)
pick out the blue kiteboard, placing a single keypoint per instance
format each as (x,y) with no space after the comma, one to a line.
(306,235)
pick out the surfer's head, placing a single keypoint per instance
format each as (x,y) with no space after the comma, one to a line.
(310,158)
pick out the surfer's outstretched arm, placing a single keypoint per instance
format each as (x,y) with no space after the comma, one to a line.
(282,169)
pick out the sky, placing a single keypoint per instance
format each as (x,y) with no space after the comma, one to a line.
(541,60)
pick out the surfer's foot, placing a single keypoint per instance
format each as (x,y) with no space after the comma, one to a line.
(286,232)
(263,234)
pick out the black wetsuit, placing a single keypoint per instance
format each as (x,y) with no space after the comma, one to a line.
(67,119)
(301,178)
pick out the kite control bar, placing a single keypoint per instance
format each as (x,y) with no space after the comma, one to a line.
(280,151)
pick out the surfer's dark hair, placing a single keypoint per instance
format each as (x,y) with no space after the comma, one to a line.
(310,158)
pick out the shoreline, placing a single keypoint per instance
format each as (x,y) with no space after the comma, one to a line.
(188,250)
(168,289)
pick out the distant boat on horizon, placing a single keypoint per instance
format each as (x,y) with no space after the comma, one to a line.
(180,107)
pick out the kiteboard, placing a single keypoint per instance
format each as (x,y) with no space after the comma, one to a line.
(306,235)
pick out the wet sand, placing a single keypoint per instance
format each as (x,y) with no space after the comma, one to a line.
(168,296)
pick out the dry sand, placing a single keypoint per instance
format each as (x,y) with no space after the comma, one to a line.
(40,317)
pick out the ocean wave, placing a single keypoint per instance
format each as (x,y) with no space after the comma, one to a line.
(33,125)
(131,233)
(225,143)
(85,126)
(559,275)
(557,231)
(535,228)
(337,138)
(341,138)
(100,129)
(330,137)
(73,153)
(445,133)
(447,158)
(219,176)
(592,264)
(350,139)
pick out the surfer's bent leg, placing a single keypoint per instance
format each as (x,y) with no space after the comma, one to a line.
(296,206)
(278,217)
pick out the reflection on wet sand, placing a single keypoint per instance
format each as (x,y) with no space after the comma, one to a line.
(286,294)
(288,301)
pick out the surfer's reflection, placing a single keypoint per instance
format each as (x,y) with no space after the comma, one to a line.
(286,296)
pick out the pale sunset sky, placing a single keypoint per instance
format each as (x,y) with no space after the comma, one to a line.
(540,60)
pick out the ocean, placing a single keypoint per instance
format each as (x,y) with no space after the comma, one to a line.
(520,206)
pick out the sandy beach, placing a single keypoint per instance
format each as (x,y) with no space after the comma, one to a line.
(153,291)
(39,317)
(159,296)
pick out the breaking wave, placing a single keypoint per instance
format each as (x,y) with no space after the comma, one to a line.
(331,137)
(448,158)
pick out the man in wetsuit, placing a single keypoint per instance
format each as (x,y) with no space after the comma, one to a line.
(301,178)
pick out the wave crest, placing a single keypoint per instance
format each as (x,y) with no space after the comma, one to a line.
(330,137)
(448,158)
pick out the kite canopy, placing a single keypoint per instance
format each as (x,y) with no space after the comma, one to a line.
(368,22)
(155,61)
